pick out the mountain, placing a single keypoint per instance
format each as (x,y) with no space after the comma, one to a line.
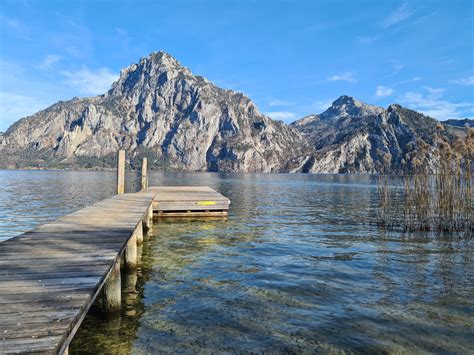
(459,122)
(159,109)
(353,137)
(181,121)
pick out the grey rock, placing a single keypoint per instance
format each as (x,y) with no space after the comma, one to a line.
(352,137)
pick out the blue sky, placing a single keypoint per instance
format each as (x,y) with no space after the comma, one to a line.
(291,57)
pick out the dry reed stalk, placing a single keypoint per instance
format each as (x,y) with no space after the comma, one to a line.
(441,202)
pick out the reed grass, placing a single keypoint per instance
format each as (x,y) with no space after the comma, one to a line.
(431,197)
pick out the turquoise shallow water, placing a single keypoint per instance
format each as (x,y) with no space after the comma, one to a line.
(296,267)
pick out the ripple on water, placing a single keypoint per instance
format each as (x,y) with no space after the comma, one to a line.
(297,267)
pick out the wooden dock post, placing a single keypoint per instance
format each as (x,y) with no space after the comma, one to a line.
(112,290)
(139,232)
(121,172)
(144,174)
(131,252)
(148,223)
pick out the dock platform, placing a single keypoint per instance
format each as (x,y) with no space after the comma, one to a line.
(188,201)
(51,276)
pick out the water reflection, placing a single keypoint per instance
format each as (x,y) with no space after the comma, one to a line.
(114,333)
(297,267)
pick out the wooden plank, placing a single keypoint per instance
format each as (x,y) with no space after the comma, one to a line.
(106,254)
(28,345)
(169,214)
(51,273)
(191,205)
(39,316)
(58,297)
(59,282)
(30,330)
(30,307)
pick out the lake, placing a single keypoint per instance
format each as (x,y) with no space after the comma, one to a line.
(298,266)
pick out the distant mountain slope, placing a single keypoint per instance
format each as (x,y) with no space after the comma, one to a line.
(351,136)
(459,122)
(157,108)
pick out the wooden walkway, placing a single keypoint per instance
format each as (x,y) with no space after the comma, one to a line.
(50,276)
(188,201)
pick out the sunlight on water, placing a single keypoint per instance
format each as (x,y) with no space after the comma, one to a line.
(296,267)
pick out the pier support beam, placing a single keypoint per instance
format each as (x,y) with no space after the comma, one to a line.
(121,172)
(139,233)
(144,174)
(130,279)
(112,290)
(131,255)
(148,222)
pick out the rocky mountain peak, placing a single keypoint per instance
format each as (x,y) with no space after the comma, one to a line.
(393,107)
(150,72)
(346,100)
(349,106)
(161,62)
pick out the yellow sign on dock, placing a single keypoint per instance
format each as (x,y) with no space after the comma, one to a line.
(206,203)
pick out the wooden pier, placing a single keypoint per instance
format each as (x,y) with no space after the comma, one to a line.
(51,276)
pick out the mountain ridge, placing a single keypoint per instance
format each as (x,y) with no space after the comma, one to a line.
(353,137)
(181,121)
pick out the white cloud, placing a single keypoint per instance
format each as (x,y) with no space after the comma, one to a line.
(397,67)
(434,93)
(120,31)
(366,39)
(383,91)
(346,76)
(432,104)
(281,115)
(398,15)
(277,102)
(401,82)
(464,81)
(15,27)
(90,82)
(49,61)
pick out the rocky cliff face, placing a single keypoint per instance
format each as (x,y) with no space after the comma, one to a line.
(160,109)
(352,137)
(181,121)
